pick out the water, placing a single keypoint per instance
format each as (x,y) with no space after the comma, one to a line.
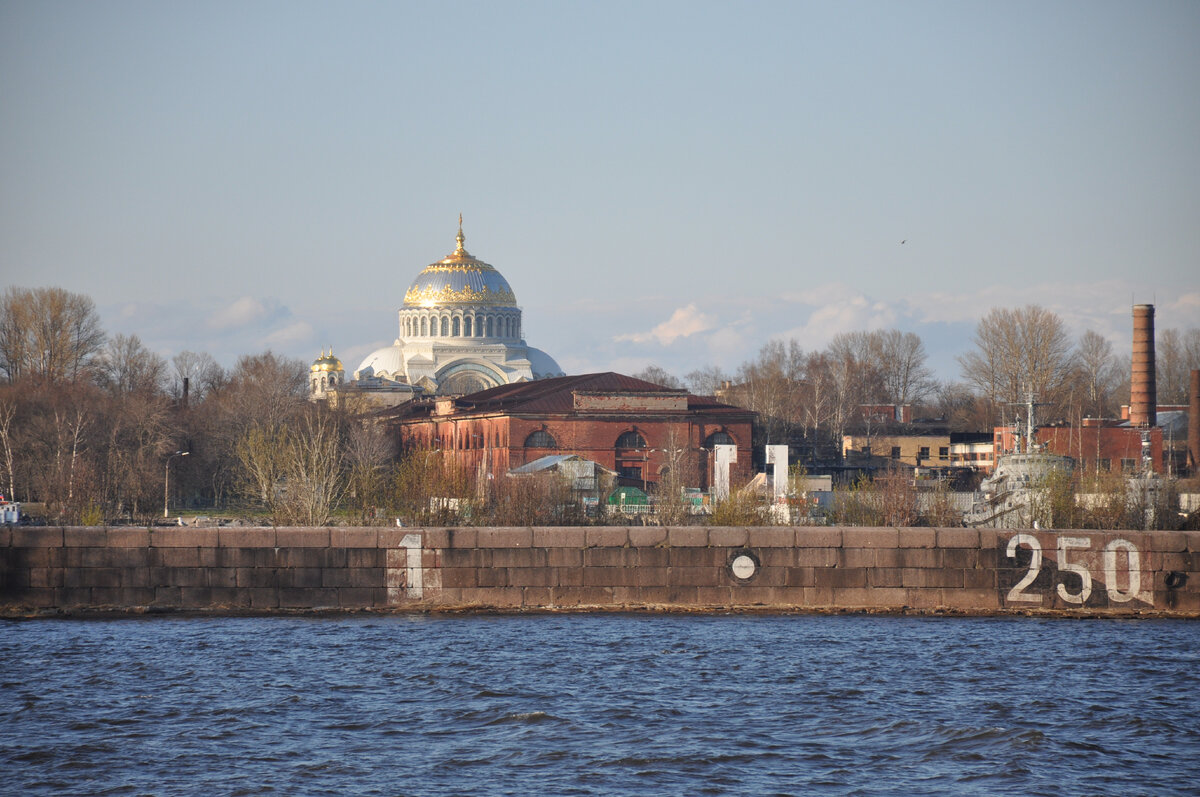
(599,704)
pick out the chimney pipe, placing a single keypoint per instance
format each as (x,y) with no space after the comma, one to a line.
(185,392)
(1143,398)
(1194,425)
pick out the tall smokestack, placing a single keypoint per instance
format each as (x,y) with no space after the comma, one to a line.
(1143,398)
(1194,425)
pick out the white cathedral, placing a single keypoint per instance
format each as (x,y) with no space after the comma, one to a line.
(460,332)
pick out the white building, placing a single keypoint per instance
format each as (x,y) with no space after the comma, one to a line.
(460,332)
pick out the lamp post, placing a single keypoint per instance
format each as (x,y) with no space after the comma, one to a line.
(167,481)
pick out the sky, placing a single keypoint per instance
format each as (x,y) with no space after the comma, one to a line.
(669,183)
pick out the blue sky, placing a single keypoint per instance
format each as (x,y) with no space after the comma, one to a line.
(664,182)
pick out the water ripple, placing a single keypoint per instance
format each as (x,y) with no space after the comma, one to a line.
(598,705)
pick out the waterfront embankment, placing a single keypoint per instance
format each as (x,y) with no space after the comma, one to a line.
(783,569)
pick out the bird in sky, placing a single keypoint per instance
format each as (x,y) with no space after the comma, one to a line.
(902,242)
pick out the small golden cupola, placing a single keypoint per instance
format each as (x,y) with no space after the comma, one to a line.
(325,374)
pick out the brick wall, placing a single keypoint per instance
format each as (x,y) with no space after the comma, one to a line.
(817,569)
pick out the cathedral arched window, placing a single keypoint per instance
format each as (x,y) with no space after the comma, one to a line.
(456,331)
(424,328)
(718,439)
(631,440)
(541,439)
(445,327)
(467,326)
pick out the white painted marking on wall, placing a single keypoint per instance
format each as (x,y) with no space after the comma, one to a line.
(1133,570)
(1133,567)
(1018,593)
(1066,544)
(403,572)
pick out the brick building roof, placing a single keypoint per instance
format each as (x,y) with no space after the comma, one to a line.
(556,395)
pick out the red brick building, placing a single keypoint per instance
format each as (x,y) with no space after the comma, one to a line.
(630,426)
(1105,445)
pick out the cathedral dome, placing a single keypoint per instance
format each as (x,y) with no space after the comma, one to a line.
(326,363)
(459,279)
(387,363)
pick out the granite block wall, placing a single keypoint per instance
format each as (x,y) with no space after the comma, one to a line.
(973,571)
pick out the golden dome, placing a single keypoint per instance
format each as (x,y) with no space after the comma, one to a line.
(459,278)
(326,363)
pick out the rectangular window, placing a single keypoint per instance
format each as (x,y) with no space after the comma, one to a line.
(895,452)
(944,452)
(924,453)
(1104,464)
(1128,464)
(629,471)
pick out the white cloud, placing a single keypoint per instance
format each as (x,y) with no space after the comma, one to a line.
(291,335)
(683,323)
(244,312)
(836,309)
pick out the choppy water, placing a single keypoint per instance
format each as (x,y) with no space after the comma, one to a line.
(599,704)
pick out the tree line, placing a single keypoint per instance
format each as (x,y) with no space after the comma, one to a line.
(814,396)
(90,422)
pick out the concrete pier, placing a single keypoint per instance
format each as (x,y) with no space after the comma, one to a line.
(783,569)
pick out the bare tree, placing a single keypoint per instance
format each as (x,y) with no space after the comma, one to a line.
(1176,354)
(368,449)
(1018,352)
(260,452)
(203,373)
(312,468)
(47,333)
(126,366)
(266,388)
(658,376)
(771,385)
(901,361)
(862,352)
(706,381)
(1100,372)
(8,411)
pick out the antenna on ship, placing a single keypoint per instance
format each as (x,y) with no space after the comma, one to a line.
(1030,429)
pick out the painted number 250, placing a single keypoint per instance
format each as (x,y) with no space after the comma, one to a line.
(1065,546)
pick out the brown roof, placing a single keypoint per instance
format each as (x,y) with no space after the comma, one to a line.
(554,395)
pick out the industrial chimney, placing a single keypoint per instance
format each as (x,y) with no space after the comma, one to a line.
(1194,425)
(1143,398)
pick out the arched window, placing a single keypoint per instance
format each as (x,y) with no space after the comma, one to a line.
(631,440)
(424,328)
(718,439)
(541,439)
(456,331)
(467,327)
(445,327)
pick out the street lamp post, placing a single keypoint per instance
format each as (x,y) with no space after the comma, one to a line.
(167,481)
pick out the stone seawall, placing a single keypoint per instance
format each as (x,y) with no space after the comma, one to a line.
(969,571)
